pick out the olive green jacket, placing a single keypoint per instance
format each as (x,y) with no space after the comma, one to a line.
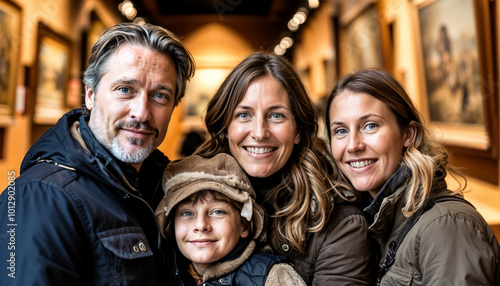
(451,244)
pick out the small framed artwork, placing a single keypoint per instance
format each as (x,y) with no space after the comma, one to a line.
(457,74)
(199,91)
(361,44)
(51,76)
(10,46)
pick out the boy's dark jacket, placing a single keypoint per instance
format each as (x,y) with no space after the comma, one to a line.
(80,216)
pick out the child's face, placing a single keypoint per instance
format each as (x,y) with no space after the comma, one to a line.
(207,231)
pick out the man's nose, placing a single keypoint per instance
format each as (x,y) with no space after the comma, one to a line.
(140,108)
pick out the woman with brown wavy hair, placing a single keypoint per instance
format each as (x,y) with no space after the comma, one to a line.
(263,116)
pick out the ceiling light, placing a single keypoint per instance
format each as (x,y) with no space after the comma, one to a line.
(293,25)
(279,50)
(286,42)
(313,4)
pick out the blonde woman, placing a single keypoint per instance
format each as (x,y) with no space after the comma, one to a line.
(428,235)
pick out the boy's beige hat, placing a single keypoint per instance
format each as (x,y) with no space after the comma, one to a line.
(221,173)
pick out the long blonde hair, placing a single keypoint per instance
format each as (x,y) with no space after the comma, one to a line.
(424,157)
(304,179)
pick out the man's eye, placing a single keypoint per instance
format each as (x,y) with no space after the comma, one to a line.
(124,90)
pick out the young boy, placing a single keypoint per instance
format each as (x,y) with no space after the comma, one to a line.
(209,209)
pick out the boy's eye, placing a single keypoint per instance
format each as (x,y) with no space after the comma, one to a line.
(186,213)
(218,212)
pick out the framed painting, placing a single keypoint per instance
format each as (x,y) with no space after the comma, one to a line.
(10,46)
(51,76)
(457,75)
(199,91)
(361,44)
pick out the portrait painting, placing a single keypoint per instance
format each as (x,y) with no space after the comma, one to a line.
(448,33)
(10,40)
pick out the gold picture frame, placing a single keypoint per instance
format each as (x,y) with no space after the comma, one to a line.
(457,77)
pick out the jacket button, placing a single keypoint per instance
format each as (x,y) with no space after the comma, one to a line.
(142,247)
(285,247)
(221,280)
(136,249)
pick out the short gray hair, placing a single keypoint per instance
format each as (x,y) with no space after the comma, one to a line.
(150,36)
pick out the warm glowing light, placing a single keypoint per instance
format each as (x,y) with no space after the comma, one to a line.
(279,50)
(126,6)
(292,25)
(300,17)
(286,42)
(139,21)
(131,13)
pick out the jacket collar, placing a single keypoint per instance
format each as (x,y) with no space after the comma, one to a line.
(385,209)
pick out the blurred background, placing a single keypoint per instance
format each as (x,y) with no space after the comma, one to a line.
(444,52)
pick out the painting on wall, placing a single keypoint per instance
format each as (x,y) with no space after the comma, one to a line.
(51,76)
(362,45)
(199,91)
(455,41)
(457,81)
(10,42)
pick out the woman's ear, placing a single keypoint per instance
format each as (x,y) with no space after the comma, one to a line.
(297,138)
(410,133)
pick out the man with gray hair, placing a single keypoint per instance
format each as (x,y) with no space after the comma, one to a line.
(85,198)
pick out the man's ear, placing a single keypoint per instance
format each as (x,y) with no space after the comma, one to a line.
(89,97)
(410,133)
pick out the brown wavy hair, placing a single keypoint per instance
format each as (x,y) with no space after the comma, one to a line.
(305,181)
(424,156)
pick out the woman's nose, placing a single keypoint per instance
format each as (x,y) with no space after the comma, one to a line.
(355,144)
(260,129)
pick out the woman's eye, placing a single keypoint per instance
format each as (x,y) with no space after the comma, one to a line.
(243,115)
(371,126)
(340,131)
(278,116)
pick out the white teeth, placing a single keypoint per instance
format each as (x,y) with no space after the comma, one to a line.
(259,150)
(360,164)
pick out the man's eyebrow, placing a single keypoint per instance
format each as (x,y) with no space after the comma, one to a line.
(136,82)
